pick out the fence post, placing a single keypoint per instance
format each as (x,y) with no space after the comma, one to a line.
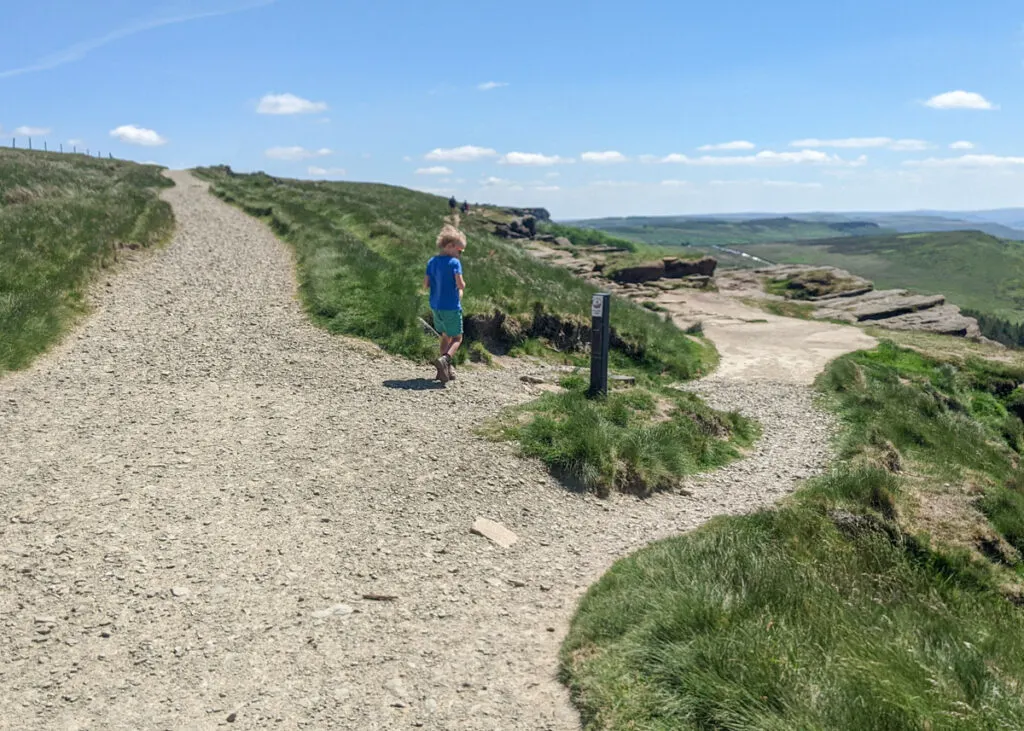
(30,143)
(600,335)
(44,146)
(62,147)
(14,142)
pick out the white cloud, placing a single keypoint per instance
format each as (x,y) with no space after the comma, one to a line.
(736,145)
(532,158)
(80,50)
(323,172)
(488,85)
(765,157)
(466,153)
(968,161)
(764,184)
(31,131)
(962,145)
(435,170)
(133,135)
(960,100)
(547,188)
(603,157)
(288,104)
(675,183)
(296,153)
(492,182)
(614,183)
(853,143)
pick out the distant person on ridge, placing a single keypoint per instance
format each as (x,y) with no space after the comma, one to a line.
(445,282)
(465,207)
(452,203)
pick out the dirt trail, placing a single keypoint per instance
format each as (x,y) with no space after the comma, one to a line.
(199,488)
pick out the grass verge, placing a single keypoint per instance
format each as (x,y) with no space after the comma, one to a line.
(835,610)
(62,217)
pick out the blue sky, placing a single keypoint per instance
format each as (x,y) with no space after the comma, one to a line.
(589,108)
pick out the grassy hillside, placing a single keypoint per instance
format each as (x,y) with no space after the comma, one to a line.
(837,610)
(704,232)
(972,269)
(361,251)
(61,218)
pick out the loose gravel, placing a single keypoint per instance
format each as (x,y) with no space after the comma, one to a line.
(214,513)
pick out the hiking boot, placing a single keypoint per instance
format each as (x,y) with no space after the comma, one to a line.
(442,369)
(451,369)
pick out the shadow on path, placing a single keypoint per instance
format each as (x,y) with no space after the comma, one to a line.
(414,384)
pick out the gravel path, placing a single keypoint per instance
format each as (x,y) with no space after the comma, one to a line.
(199,488)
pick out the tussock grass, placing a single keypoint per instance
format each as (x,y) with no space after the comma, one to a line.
(61,218)
(828,612)
(636,440)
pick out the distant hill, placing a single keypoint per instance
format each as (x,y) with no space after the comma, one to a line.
(916,222)
(972,269)
(714,231)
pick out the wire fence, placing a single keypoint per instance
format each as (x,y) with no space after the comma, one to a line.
(27,144)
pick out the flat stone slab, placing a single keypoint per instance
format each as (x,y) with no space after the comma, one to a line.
(494,532)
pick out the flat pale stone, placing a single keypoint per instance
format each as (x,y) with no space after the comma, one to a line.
(494,532)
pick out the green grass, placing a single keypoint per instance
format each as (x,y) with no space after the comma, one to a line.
(362,248)
(639,440)
(585,237)
(972,269)
(830,611)
(62,217)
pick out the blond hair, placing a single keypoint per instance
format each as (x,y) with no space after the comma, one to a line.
(450,235)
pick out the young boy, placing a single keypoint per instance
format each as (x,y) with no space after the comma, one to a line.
(445,282)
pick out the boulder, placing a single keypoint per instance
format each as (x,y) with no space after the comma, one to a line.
(676,268)
(888,307)
(562,241)
(943,320)
(646,272)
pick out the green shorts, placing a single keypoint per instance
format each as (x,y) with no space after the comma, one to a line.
(448,322)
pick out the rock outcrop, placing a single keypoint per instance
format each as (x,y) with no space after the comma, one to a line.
(839,295)
(668,268)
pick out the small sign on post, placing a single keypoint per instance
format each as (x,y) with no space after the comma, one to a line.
(600,335)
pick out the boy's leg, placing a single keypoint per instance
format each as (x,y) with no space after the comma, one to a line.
(453,346)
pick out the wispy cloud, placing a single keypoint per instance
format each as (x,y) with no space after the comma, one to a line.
(80,50)
(133,135)
(735,145)
(289,104)
(855,143)
(960,100)
(296,153)
(532,158)
(603,157)
(962,145)
(325,172)
(31,131)
(490,85)
(435,170)
(466,153)
(968,161)
(765,157)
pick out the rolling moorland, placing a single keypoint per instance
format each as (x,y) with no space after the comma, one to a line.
(885,594)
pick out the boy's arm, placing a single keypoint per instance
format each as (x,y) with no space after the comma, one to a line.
(460,284)
(426,282)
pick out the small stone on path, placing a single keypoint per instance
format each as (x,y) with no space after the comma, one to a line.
(495,532)
(338,610)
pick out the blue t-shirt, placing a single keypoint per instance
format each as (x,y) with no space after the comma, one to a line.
(444,295)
